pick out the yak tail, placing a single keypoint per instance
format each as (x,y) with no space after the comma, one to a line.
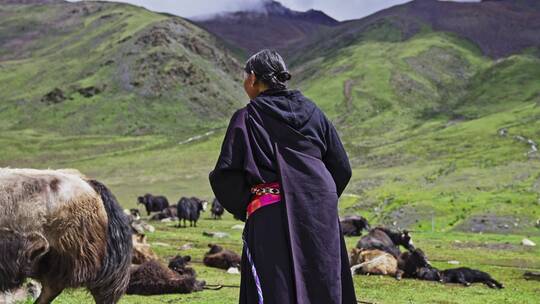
(113,278)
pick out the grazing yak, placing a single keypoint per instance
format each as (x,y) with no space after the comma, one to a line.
(353,225)
(386,240)
(374,262)
(467,276)
(218,257)
(217,209)
(63,230)
(152,278)
(189,209)
(153,203)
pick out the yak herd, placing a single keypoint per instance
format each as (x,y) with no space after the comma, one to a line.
(379,252)
(65,230)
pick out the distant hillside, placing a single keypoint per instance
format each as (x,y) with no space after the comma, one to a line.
(498,27)
(100,67)
(273,26)
(434,128)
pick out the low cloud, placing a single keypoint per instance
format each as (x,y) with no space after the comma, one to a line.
(339,9)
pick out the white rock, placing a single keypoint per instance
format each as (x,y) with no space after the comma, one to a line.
(161,244)
(528,243)
(233,270)
(149,228)
(453,262)
(166,220)
(221,235)
(186,246)
(238,227)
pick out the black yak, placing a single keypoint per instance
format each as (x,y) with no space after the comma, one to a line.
(467,276)
(153,203)
(189,209)
(386,240)
(180,265)
(411,262)
(152,278)
(353,225)
(218,257)
(63,230)
(217,209)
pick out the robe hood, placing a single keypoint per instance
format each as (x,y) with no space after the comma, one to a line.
(290,106)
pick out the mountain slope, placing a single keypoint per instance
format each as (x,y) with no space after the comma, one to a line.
(272,26)
(499,28)
(98,67)
(422,120)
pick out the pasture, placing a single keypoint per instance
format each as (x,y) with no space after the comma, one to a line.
(499,255)
(131,166)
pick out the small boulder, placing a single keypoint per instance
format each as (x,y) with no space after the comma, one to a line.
(237,227)
(186,246)
(233,270)
(453,262)
(217,235)
(528,243)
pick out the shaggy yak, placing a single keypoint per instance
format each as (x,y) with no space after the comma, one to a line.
(63,230)
(180,265)
(189,209)
(152,278)
(218,257)
(374,262)
(217,209)
(153,203)
(142,252)
(353,225)
(386,240)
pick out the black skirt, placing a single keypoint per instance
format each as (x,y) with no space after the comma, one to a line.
(266,235)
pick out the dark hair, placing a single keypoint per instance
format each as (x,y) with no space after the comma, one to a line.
(269,67)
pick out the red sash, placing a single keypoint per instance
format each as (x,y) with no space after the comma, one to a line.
(264,195)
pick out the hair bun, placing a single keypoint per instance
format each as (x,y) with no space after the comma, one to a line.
(284,76)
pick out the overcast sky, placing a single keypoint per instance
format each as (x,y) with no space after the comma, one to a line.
(338,9)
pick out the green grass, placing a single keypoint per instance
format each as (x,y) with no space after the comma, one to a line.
(506,265)
(135,165)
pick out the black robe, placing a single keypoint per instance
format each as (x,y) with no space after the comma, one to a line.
(297,247)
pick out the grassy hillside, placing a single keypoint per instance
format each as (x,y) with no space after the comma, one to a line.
(134,165)
(421,118)
(107,68)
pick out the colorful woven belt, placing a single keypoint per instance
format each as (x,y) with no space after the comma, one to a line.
(264,195)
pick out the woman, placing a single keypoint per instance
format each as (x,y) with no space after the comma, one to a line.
(282,168)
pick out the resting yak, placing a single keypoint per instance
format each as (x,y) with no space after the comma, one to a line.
(353,225)
(153,203)
(63,230)
(467,276)
(386,240)
(374,262)
(218,257)
(189,209)
(153,278)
